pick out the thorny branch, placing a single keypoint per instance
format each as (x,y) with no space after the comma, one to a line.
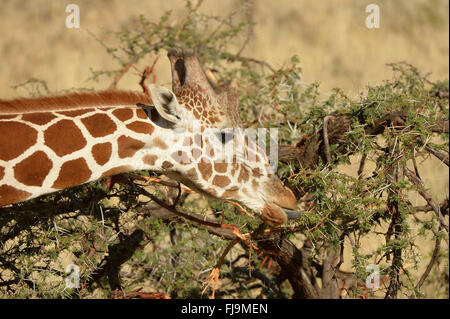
(437,210)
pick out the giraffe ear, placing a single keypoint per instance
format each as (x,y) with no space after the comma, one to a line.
(166,103)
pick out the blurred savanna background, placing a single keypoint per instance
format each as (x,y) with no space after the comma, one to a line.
(330,38)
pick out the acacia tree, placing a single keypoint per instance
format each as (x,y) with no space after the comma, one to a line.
(131,236)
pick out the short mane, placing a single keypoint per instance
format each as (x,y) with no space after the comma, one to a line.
(72,101)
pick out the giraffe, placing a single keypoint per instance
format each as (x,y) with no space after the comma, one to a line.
(52,143)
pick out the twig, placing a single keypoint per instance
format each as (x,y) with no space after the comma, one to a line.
(326,142)
(260,62)
(416,169)
(184,188)
(113,85)
(139,295)
(433,259)
(176,212)
(441,126)
(396,221)
(418,183)
(147,71)
(440,155)
(361,165)
(428,208)
(233,228)
(158,181)
(213,278)
(249,18)
(242,209)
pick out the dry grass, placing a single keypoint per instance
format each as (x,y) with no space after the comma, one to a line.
(330,38)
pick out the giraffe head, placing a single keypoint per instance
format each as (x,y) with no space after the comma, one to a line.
(214,154)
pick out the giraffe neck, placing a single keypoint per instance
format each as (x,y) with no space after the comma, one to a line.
(46,151)
(43,150)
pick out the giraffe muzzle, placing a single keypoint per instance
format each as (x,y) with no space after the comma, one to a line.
(292,214)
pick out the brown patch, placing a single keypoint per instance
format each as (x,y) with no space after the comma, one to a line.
(231,193)
(128,146)
(75,113)
(150,159)
(167,165)
(196,114)
(7,117)
(214,120)
(256,172)
(123,114)
(160,143)
(192,174)
(255,185)
(141,114)
(209,150)
(196,153)
(234,168)
(10,195)
(2,172)
(15,138)
(99,125)
(73,101)
(102,152)
(187,141)
(74,172)
(181,157)
(220,167)
(38,118)
(205,168)
(221,181)
(64,137)
(33,170)
(141,127)
(243,175)
(251,156)
(116,170)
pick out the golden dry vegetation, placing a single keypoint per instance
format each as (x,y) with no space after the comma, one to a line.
(330,38)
